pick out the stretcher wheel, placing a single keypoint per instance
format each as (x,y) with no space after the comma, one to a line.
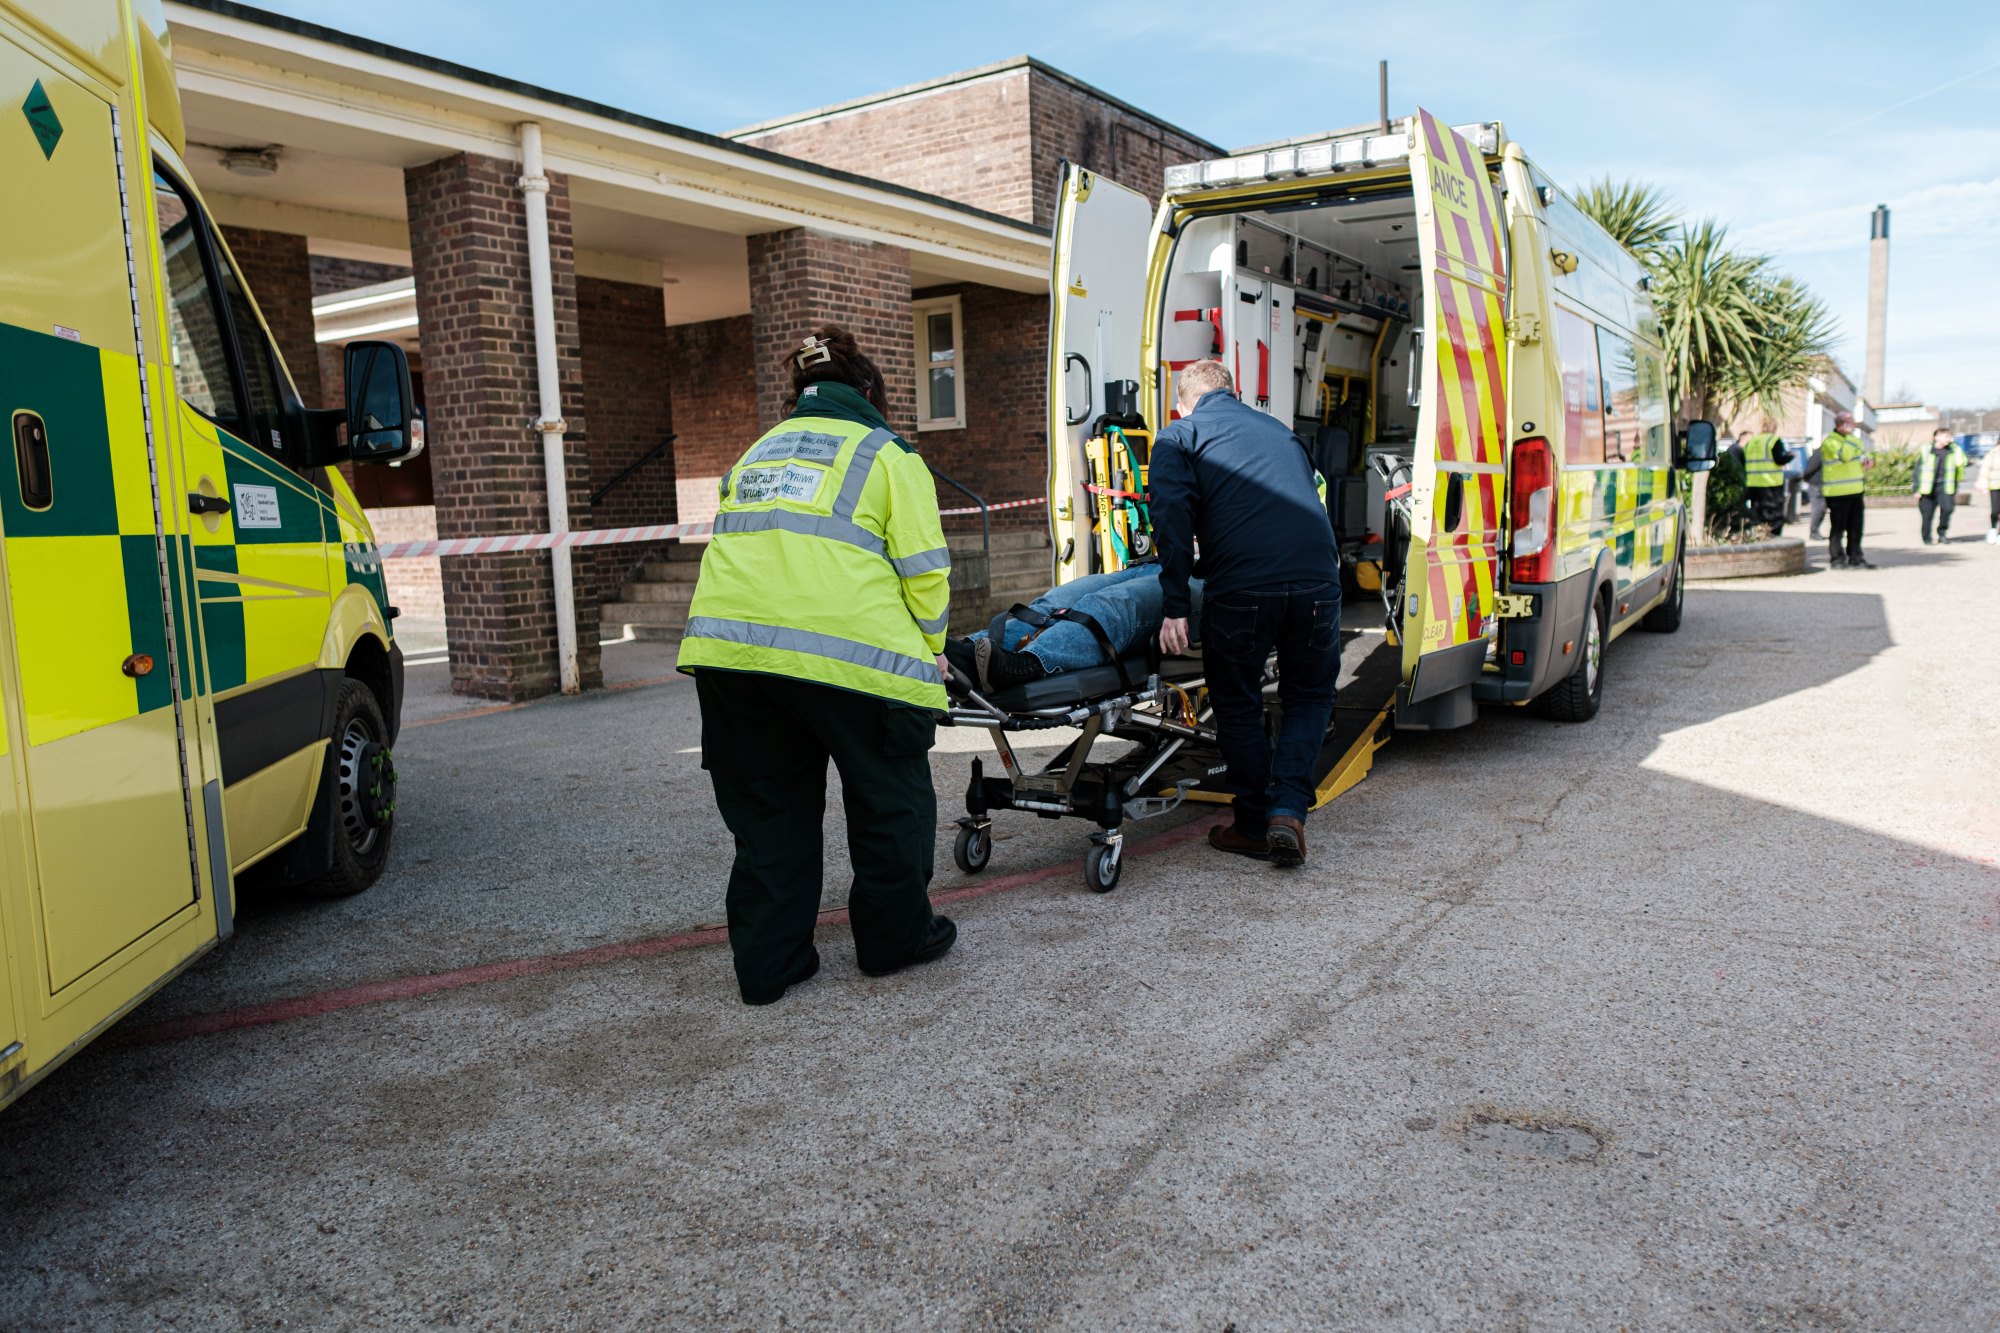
(972,849)
(1101,869)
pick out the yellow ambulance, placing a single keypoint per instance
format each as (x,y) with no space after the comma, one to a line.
(1474,364)
(197,673)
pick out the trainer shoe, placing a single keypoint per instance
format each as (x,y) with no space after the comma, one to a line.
(1286,840)
(938,939)
(1229,838)
(1993,537)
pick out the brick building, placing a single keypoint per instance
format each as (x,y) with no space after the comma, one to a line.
(683,266)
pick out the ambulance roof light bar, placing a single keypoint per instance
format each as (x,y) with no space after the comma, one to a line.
(1313,159)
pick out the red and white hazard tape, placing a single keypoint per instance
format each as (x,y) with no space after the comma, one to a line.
(1004,504)
(544,541)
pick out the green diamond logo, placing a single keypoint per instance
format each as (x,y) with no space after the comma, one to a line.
(42,119)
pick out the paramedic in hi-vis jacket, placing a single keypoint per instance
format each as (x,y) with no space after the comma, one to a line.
(1764,459)
(1839,463)
(1238,484)
(814,634)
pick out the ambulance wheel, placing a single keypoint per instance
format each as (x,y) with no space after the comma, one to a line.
(972,849)
(1575,697)
(363,791)
(1102,867)
(1666,617)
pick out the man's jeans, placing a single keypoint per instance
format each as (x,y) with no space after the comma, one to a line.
(1126,603)
(1239,629)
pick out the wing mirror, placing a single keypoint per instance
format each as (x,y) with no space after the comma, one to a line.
(382,420)
(1697,447)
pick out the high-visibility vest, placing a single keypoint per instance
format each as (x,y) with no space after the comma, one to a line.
(1759,468)
(1954,470)
(828,564)
(1993,468)
(1839,465)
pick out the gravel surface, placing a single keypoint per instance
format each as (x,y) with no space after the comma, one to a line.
(1688,1017)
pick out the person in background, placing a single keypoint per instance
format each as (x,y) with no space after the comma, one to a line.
(1939,470)
(815,633)
(1764,459)
(1840,463)
(1990,482)
(1240,484)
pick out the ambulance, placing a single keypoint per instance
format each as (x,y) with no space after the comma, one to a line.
(197,671)
(1475,365)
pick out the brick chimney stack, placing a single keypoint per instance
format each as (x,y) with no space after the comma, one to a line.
(1878,301)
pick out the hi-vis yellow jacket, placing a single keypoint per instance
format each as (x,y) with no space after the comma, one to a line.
(1760,467)
(829,563)
(1840,465)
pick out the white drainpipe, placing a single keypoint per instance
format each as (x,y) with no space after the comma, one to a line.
(535,197)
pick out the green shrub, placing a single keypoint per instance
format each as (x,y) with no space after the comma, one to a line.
(1894,473)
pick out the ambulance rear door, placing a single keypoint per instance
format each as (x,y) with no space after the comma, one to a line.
(1458,477)
(1097,300)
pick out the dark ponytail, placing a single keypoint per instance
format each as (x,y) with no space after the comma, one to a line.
(831,354)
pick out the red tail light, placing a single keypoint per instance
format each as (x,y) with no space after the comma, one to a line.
(1532,512)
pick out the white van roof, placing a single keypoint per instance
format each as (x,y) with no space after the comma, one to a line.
(1344,150)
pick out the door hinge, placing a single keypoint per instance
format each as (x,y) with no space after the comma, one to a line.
(1524,329)
(1513,605)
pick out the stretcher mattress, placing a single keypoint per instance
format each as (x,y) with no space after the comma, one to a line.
(1066,689)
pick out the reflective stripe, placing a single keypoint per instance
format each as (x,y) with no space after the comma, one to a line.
(814,645)
(923,562)
(858,468)
(935,626)
(807,525)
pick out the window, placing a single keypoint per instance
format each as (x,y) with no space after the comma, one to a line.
(1583,401)
(1624,433)
(940,377)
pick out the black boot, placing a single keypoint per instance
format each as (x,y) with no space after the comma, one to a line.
(1000,668)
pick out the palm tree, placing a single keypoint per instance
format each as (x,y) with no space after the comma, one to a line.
(1793,330)
(1637,216)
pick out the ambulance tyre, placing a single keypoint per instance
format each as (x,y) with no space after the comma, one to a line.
(1576,696)
(363,792)
(1666,617)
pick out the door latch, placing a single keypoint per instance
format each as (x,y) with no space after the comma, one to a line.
(206,504)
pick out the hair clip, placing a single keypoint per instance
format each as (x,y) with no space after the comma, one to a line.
(812,353)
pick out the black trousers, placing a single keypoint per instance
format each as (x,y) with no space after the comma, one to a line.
(1238,632)
(765,741)
(1767,506)
(1843,514)
(1936,506)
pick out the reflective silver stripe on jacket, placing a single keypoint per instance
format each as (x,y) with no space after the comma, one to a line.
(923,562)
(858,468)
(935,626)
(808,525)
(814,645)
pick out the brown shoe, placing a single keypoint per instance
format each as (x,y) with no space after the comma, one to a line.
(1286,841)
(1226,838)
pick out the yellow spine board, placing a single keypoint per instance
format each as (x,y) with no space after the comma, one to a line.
(1097,453)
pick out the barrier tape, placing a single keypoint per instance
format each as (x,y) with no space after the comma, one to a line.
(545,541)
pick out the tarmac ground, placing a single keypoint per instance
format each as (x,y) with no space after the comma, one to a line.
(1687,1017)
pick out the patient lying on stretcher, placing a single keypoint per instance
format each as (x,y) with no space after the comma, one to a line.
(1126,604)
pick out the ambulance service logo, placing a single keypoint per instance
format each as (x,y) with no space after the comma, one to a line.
(42,119)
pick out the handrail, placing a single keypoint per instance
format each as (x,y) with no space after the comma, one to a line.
(624,476)
(985,520)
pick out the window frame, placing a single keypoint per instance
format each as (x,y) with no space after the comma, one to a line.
(921,312)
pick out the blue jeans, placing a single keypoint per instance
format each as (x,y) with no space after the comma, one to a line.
(1239,630)
(1126,602)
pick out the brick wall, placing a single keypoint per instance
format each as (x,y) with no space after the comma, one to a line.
(967,141)
(626,396)
(279,273)
(1002,450)
(713,386)
(800,278)
(468,233)
(330,275)
(1067,122)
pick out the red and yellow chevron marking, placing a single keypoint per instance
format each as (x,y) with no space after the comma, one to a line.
(1465,385)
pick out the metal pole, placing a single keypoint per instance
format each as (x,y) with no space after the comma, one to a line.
(1384,81)
(535,198)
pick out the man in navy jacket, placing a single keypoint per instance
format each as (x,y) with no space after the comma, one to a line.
(1237,483)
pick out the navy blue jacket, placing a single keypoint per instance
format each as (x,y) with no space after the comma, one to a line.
(1238,481)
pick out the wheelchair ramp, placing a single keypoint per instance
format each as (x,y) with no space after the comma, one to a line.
(1371,668)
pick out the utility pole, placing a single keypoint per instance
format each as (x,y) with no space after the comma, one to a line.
(1383,82)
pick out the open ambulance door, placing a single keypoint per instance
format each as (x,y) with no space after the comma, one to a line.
(1458,473)
(1097,298)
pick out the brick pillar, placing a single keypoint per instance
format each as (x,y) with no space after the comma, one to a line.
(468,236)
(713,374)
(800,278)
(279,272)
(625,385)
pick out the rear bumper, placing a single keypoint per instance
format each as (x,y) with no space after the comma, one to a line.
(1539,637)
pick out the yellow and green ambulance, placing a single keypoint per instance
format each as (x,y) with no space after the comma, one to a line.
(197,672)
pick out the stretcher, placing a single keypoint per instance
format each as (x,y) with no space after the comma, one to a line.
(1158,708)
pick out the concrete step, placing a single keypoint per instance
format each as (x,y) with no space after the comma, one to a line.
(1002,541)
(687,552)
(679,594)
(670,571)
(668,615)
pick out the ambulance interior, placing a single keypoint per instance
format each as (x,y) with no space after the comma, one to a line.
(1311,307)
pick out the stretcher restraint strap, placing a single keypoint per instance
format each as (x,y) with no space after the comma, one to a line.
(544,541)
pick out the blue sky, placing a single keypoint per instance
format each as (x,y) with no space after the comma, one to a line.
(1788,121)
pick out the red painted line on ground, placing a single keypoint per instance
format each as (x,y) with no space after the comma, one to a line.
(416,987)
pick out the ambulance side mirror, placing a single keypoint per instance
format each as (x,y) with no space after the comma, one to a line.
(1697,447)
(382,420)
